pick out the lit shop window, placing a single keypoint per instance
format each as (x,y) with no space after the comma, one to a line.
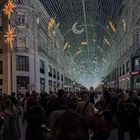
(137,64)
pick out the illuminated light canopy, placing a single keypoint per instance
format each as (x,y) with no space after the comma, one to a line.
(8,9)
(112,26)
(84,43)
(51,23)
(10,36)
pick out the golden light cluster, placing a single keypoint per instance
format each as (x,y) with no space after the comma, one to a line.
(51,23)
(10,36)
(66,46)
(84,43)
(8,9)
(112,26)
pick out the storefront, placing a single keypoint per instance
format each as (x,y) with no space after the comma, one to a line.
(136,73)
(124,82)
(22,84)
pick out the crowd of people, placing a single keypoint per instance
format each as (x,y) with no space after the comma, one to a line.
(87,115)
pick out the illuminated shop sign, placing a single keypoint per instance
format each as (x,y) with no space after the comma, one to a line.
(135,72)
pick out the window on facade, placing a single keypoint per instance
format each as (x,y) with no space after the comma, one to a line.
(1,82)
(50,71)
(21,20)
(62,78)
(19,1)
(50,85)
(42,67)
(58,76)
(128,66)
(54,73)
(54,86)
(1,67)
(123,69)
(136,64)
(22,63)
(120,71)
(42,85)
(22,42)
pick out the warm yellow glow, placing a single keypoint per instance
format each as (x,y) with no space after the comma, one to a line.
(51,23)
(106,41)
(8,9)
(66,46)
(10,36)
(84,43)
(79,52)
(112,26)
(124,25)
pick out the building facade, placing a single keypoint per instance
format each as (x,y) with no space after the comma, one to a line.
(36,61)
(126,73)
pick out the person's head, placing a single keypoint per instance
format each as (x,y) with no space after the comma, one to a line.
(70,126)
(7,104)
(36,115)
(61,92)
(86,97)
(133,94)
(121,96)
(13,94)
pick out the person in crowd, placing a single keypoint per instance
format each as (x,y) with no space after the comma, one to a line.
(36,129)
(24,105)
(70,126)
(60,100)
(86,109)
(92,95)
(128,117)
(11,129)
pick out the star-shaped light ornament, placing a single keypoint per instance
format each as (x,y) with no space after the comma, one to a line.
(10,37)
(8,9)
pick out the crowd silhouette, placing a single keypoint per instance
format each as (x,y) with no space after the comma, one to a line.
(86,115)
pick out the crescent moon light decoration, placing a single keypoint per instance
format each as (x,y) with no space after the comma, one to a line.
(75,30)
